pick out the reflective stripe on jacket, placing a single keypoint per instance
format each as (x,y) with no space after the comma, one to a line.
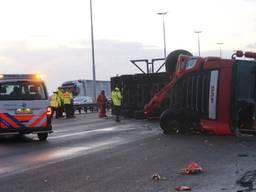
(116,98)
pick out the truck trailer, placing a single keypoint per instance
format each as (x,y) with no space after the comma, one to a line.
(138,89)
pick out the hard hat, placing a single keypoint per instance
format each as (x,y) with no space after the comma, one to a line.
(117,89)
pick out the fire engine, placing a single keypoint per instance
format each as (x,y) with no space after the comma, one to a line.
(214,94)
(24,105)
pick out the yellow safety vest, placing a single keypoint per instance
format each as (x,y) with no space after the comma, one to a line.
(116,98)
(54,100)
(61,95)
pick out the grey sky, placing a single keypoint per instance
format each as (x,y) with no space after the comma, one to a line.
(53,36)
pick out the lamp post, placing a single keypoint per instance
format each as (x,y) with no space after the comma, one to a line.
(220,43)
(198,40)
(163,14)
(93,58)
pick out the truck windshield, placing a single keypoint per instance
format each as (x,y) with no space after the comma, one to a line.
(71,87)
(22,90)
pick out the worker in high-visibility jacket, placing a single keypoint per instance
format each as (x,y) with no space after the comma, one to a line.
(55,102)
(72,113)
(116,101)
(61,98)
(67,104)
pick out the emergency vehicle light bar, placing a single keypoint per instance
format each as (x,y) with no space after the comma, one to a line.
(20,76)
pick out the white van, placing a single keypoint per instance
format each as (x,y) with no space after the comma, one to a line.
(24,105)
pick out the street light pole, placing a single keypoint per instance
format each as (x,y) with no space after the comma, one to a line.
(93,58)
(163,14)
(220,48)
(198,41)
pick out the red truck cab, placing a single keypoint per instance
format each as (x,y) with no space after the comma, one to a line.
(218,95)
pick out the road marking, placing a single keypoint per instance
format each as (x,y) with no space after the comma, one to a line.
(33,161)
(108,129)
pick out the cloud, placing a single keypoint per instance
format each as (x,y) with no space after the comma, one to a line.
(251,46)
(251,1)
(68,63)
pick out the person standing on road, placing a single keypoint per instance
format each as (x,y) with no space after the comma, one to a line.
(72,113)
(102,100)
(67,104)
(55,104)
(61,97)
(116,100)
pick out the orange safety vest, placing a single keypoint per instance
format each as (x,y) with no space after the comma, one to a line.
(67,98)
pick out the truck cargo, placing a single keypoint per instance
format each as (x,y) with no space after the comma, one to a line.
(138,89)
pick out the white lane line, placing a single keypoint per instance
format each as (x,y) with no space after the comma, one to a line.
(69,152)
(83,127)
(34,161)
(108,129)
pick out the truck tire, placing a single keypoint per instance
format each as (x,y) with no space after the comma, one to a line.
(168,121)
(42,136)
(171,60)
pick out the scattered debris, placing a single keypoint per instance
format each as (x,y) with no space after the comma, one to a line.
(248,181)
(193,168)
(156,177)
(45,180)
(242,155)
(183,188)
(88,178)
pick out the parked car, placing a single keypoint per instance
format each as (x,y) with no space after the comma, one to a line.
(84,103)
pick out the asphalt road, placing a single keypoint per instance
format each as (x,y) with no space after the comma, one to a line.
(89,154)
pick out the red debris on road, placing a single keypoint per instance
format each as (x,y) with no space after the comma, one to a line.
(193,168)
(183,188)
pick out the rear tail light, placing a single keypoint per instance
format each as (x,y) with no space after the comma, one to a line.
(49,111)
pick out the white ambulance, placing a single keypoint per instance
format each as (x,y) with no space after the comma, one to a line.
(24,105)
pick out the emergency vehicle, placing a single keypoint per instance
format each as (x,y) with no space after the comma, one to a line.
(24,105)
(214,94)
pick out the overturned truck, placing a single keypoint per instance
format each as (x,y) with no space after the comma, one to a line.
(211,94)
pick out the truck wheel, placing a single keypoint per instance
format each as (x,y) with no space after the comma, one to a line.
(42,136)
(171,60)
(167,121)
